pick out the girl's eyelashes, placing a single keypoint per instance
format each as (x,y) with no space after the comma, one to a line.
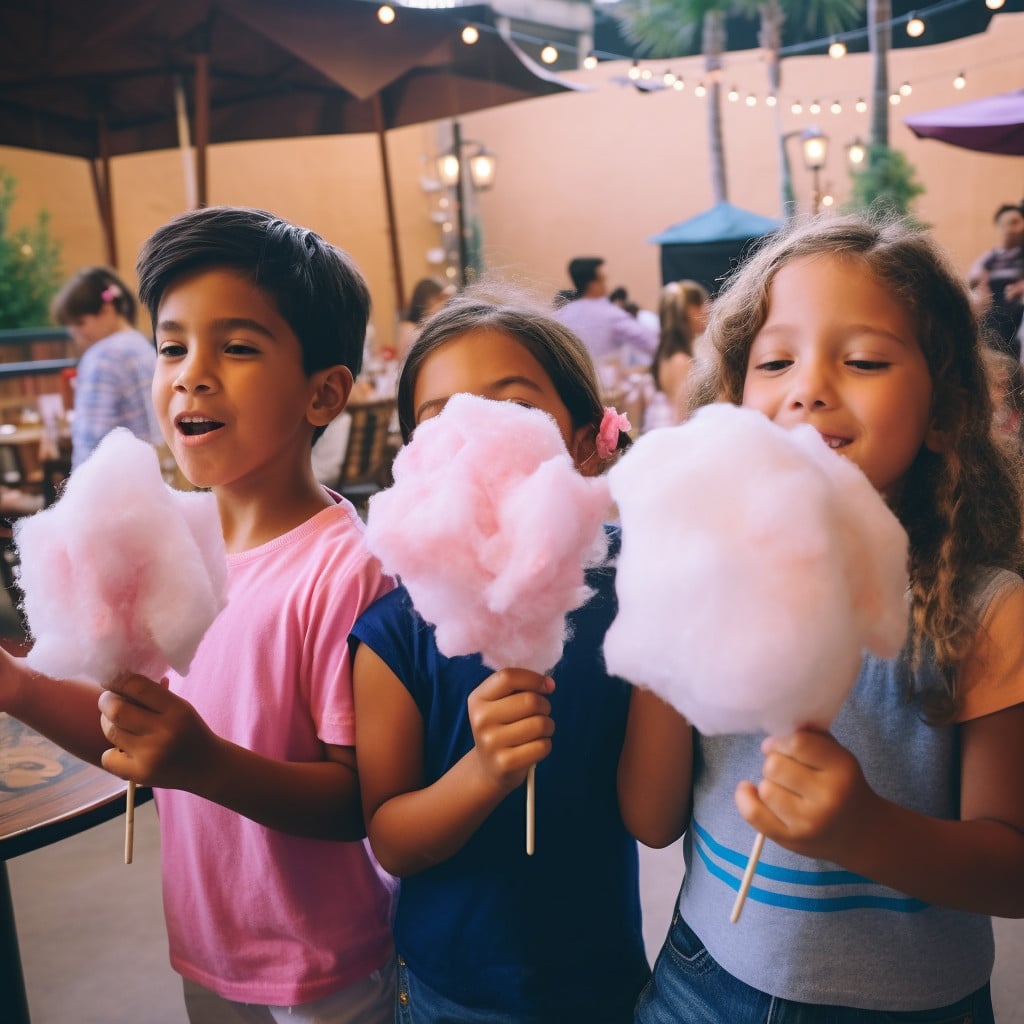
(868,364)
(170,349)
(773,365)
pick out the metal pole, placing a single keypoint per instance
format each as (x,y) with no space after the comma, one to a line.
(460,199)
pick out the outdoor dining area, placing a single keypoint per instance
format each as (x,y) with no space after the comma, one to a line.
(488,150)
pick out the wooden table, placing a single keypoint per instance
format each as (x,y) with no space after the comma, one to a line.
(46,794)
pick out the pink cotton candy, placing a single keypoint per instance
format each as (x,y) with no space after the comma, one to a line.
(756,567)
(122,573)
(490,527)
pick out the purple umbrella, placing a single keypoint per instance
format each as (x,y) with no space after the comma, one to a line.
(992,125)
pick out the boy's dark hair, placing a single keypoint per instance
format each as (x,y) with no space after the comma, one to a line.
(316,286)
(583,270)
(84,293)
(1007,208)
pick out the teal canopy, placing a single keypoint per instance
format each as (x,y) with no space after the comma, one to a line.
(721,223)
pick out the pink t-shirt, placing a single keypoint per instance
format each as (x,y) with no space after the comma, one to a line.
(254,914)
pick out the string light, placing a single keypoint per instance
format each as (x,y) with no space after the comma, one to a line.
(836,107)
(634,70)
(856,152)
(837,49)
(668,78)
(797,108)
(590,61)
(751,100)
(860,106)
(894,99)
(470,35)
(549,54)
(701,91)
(646,74)
(827,200)
(960,81)
(385,14)
(733,94)
(815,107)
(770,100)
(906,89)
(679,85)
(915,27)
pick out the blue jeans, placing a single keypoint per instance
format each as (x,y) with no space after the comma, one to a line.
(688,987)
(418,1004)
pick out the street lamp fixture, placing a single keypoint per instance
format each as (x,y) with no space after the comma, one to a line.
(451,165)
(482,166)
(814,147)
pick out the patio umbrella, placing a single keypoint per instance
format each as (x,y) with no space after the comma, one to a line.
(106,78)
(994,124)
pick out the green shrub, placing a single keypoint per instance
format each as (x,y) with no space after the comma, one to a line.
(30,271)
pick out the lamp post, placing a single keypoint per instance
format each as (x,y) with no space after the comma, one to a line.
(451,173)
(814,147)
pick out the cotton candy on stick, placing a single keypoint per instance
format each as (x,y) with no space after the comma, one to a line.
(122,574)
(490,528)
(756,566)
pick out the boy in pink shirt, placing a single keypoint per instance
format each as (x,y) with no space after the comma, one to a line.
(275,908)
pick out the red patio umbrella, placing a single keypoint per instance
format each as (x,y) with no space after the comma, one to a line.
(100,79)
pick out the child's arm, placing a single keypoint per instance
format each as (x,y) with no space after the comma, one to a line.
(655,778)
(813,799)
(159,740)
(64,710)
(411,826)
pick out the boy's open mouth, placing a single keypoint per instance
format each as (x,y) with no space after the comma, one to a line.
(192,426)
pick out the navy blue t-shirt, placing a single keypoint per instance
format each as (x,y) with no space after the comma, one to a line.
(555,937)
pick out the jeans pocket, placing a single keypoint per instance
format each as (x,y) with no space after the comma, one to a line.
(686,950)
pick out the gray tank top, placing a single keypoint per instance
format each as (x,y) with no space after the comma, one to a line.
(811,931)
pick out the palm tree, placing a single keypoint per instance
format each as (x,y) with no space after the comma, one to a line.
(666,28)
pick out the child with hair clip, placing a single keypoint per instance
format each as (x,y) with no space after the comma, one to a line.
(275,907)
(114,376)
(484,932)
(895,835)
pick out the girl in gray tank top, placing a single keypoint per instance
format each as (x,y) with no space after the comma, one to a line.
(894,836)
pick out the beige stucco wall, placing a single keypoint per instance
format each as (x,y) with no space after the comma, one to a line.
(593,172)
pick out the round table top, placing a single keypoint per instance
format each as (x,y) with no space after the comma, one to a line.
(47,794)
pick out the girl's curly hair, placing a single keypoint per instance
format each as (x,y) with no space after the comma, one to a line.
(961,507)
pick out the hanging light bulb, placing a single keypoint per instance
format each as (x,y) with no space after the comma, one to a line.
(797,108)
(915,27)
(751,100)
(960,81)
(994,5)
(894,99)
(770,100)
(827,200)
(906,89)
(815,107)
(856,152)
(837,49)
(549,54)
(646,75)
(733,94)
(836,107)
(634,70)
(860,106)
(668,78)
(385,14)
(679,85)
(470,34)
(590,61)
(701,90)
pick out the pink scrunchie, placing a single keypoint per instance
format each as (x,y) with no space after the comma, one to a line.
(612,422)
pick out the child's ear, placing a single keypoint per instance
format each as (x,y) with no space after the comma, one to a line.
(584,450)
(329,391)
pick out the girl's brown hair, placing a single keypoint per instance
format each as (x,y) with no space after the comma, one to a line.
(488,306)
(961,507)
(85,292)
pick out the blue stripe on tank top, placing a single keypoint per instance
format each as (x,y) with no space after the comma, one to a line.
(829,904)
